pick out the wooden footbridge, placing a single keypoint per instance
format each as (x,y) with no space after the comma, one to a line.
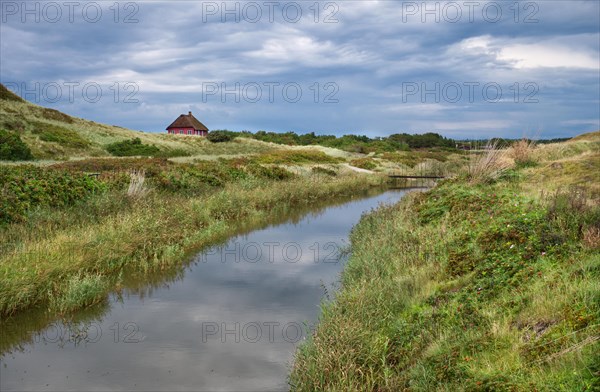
(414,178)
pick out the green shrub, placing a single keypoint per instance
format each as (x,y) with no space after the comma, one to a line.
(364,163)
(133,147)
(186,179)
(57,134)
(23,188)
(219,136)
(162,174)
(270,172)
(12,147)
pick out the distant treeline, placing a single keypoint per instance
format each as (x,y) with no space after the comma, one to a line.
(352,143)
(501,142)
(365,144)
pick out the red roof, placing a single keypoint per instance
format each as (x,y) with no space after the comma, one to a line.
(188,121)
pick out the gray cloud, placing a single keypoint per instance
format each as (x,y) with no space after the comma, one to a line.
(177,51)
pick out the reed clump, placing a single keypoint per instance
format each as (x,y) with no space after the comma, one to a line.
(487,166)
(523,152)
(137,189)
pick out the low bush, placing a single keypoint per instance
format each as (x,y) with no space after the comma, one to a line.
(12,147)
(176,178)
(133,147)
(186,179)
(219,137)
(364,163)
(23,188)
(270,172)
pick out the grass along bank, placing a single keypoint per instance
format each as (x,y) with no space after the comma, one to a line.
(64,259)
(479,284)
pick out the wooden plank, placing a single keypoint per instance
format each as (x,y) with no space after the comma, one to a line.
(416,177)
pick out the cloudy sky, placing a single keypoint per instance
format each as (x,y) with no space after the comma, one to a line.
(465,69)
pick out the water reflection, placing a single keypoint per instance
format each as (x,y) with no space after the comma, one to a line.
(228,320)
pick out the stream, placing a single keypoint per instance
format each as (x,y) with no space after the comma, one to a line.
(230,320)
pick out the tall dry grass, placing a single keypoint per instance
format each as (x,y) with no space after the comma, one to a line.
(488,166)
(523,152)
(137,188)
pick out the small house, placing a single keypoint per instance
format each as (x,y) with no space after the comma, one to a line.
(187,124)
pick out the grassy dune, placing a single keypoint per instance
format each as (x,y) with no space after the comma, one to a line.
(486,282)
(53,135)
(574,163)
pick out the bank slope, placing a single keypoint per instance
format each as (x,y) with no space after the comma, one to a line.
(489,286)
